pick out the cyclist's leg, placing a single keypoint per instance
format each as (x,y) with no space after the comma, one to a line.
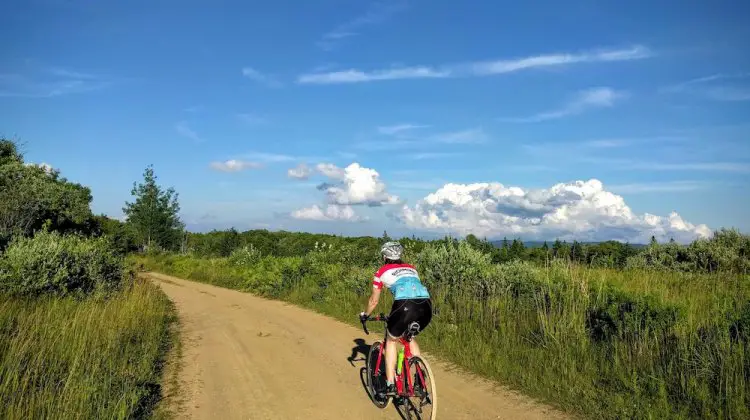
(396,328)
(391,357)
(423,314)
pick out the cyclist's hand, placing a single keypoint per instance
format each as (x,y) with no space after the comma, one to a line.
(363,317)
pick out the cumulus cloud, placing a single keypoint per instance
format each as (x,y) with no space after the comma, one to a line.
(302,171)
(581,210)
(47,168)
(234,165)
(351,186)
(356,185)
(330,213)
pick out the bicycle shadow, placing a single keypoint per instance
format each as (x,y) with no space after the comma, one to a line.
(363,349)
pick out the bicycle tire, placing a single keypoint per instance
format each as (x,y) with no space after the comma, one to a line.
(372,358)
(424,366)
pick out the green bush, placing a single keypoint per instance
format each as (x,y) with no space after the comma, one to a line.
(246,255)
(51,263)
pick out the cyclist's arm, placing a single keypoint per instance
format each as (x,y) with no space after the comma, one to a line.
(374,296)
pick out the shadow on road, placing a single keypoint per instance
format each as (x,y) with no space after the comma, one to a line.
(361,348)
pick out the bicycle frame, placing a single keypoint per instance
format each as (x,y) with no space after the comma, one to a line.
(405,371)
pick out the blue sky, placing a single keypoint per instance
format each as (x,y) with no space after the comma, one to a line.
(575,119)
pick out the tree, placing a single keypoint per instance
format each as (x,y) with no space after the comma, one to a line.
(576,251)
(154,213)
(33,196)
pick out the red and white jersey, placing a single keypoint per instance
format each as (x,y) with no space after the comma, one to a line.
(402,280)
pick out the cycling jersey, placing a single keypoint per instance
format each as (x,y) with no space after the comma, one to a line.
(402,280)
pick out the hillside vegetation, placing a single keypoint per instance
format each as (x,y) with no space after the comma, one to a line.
(664,336)
(80,337)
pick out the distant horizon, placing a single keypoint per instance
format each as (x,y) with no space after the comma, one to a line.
(438,236)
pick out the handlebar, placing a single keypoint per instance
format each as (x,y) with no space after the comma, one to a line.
(380,317)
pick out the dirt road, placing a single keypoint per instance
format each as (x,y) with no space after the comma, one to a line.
(244,357)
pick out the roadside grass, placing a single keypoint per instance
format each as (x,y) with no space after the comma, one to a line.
(84,358)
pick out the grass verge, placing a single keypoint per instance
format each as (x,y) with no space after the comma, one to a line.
(92,358)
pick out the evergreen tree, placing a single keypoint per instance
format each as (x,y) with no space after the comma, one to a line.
(154,213)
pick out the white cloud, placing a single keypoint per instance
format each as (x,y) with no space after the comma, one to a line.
(269,157)
(184,130)
(377,12)
(485,68)
(356,185)
(666,186)
(358,76)
(691,166)
(49,83)
(47,168)
(635,52)
(398,128)
(599,97)
(252,119)
(330,213)
(330,170)
(719,87)
(474,135)
(432,155)
(259,77)
(581,210)
(233,165)
(302,171)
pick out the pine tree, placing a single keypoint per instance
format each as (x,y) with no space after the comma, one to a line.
(154,213)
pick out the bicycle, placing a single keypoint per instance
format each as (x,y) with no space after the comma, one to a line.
(407,387)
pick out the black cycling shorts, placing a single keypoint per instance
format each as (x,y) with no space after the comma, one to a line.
(406,311)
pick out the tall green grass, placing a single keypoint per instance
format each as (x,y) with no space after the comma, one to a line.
(91,358)
(599,342)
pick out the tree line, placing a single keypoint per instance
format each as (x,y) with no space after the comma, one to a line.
(37,198)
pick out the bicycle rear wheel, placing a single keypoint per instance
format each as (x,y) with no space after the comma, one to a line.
(376,383)
(423,405)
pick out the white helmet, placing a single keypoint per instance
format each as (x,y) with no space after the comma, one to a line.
(391,250)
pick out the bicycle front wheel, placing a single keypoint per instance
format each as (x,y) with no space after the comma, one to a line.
(424,402)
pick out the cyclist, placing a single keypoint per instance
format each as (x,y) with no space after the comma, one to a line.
(411,303)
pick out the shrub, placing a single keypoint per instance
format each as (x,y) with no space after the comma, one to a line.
(51,263)
(246,255)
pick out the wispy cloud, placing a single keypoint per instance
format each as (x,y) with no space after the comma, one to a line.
(399,128)
(252,118)
(599,97)
(358,76)
(484,68)
(259,77)
(470,136)
(432,155)
(659,187)
(184,130)
(378,12)
(693,166)
(269,157)
(636,52)
(234,165)
(627,164)
(719,87)
(51,83)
